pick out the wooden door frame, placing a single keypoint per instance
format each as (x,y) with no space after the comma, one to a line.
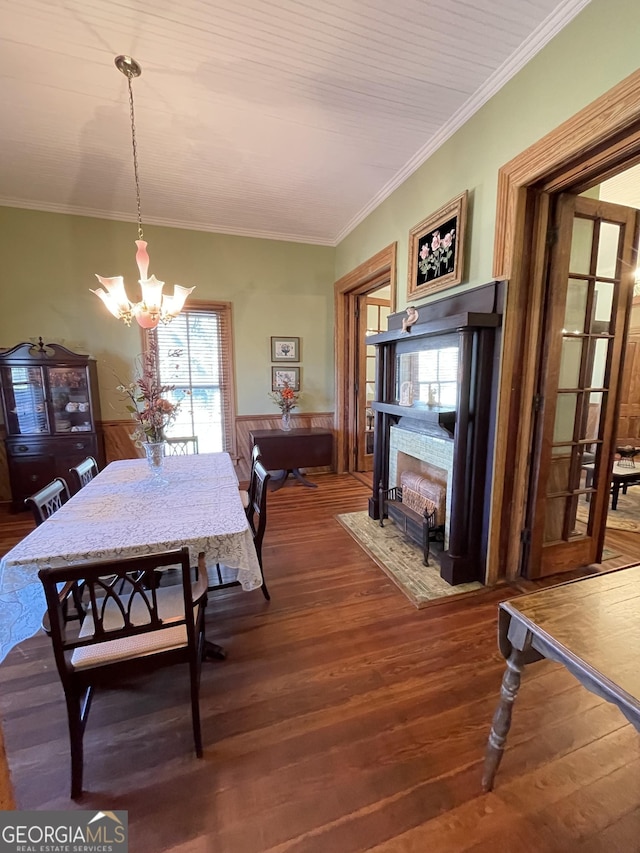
(595,144)
(371,275)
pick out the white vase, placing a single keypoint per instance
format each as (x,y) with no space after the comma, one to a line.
(155,456)
(285,423)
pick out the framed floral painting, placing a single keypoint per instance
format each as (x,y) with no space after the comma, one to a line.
(290,375)
(285,349)
(436,249)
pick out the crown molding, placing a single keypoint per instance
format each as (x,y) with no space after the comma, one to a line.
(116,216)
(546,31)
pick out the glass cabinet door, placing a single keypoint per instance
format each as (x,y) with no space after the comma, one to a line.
(70,401)
(25,401)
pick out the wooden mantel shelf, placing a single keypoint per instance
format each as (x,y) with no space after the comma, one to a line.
(453,323)
(435,415)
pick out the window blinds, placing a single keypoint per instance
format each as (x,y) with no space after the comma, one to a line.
(194,354)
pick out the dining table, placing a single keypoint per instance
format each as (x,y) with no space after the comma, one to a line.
(126,511)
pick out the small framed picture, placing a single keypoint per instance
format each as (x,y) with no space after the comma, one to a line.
(285,349)
(436,249)
(280,375)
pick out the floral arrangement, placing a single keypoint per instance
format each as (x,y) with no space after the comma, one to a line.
(285,397)
(148,404)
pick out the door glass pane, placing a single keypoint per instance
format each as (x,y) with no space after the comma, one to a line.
(372,318)
(371,365)
(559,470)
(576,307)
(570,362)
(70,399)
(602,307)
(594,404)
(581,243)
(565,417)
(600,350)
(586,463)
(24,395)
(608,250)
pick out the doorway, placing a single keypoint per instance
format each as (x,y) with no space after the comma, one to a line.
(586,306)
(350,292)
(372,311)
(598,142)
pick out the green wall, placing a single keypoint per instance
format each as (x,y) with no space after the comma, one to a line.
(593,53)
(277,288)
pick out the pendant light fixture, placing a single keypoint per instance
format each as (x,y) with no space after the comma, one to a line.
(154,307)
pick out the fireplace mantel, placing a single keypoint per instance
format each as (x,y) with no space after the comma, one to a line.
(471,323)
(438,416)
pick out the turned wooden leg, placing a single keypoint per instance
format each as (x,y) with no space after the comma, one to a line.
(502,717)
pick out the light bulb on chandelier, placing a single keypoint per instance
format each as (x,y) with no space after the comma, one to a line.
(154,307)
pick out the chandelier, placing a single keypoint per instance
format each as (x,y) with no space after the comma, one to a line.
(154,307)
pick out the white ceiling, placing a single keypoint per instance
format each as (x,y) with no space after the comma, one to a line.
(289,119)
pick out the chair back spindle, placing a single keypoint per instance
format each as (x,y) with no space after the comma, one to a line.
(83,473)
(49,499)
(185,445)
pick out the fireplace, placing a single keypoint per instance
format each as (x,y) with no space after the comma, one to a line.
(436,390)
(425,455)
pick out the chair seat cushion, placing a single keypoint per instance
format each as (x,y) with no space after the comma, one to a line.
(170,609)
(244,497)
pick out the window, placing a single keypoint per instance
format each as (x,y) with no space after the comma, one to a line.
(194,354)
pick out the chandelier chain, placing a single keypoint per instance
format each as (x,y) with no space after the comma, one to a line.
(134,146)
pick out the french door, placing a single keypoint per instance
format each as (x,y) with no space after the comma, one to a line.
(588,297)
(373,311)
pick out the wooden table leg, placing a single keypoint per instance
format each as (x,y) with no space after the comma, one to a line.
(212,651)
(502,717)
(615,491)
(297,473)
(278,480)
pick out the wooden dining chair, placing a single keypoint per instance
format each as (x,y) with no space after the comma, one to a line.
(128,627)
(257,518)
(46,501)
(84,472)
(185,445)
(247,495)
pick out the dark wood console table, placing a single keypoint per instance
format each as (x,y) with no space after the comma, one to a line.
(289,451)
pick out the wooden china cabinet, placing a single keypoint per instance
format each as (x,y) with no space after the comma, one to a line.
(51,410)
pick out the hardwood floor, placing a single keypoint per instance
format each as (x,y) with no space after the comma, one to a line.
(342,720)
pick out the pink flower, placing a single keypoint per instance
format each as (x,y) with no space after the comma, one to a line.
(447,239)
(424,252)
(435,241)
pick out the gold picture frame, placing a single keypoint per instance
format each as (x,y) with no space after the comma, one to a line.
(436,249)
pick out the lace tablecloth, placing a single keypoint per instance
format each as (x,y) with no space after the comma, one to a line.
(124,512)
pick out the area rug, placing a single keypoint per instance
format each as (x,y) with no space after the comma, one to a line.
(401,560)
(625,517)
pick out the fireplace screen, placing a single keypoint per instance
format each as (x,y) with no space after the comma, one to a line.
(429,376)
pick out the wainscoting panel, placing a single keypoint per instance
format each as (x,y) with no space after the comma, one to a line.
(117,443)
